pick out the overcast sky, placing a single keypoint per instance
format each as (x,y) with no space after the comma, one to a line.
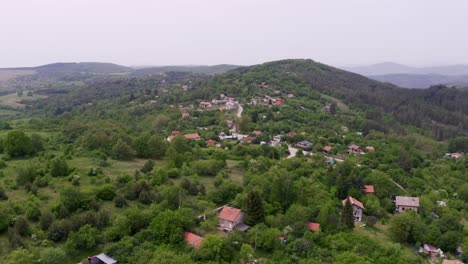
(174,32)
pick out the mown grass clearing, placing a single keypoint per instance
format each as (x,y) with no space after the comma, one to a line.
(15,101)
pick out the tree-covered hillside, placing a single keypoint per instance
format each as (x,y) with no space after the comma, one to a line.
(153,168)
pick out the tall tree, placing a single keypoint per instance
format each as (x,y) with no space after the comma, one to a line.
(17,143)
(347,217)
(255,211)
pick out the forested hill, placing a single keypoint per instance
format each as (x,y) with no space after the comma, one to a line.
(439,109)
(81,67)
(201,69)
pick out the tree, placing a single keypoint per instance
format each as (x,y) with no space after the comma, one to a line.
(22,226)
(106,192)
(17,144)
(402,226)
(37,143)
(148,166)
(246,253)
(213,249)
(85,238)
(347,217)
(52,256)
(20,256)
(168,226)
(122,151)
(3,195)
(59,167)
(255,211)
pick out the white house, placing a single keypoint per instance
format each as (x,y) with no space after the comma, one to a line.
(357,208)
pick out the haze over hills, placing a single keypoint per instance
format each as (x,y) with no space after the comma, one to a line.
(414,77)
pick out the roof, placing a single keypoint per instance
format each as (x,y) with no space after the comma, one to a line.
(313,226)
(407,201)
(106,259)
(193,240)
(292,134)
(248,139)
(256,132)
(353,146)
(192,136)
(175,132)
(185,114)
(370,148)
(353,201)
(327,148)
(241,227)
(429,248)
(452,261)
(305,142)
(368,189)
(170,138)
(229,213)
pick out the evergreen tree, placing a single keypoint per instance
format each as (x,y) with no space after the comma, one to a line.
(347,217)
(255,211)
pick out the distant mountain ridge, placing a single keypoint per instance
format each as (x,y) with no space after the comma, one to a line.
(414,77)
(196,69)
(109,68)
(395,68)
(422,80)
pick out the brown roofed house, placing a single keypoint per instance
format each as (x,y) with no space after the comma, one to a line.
(327,149)
(404,203)
(193,240)
(357,208)
(185,115)
(192,136)
(313,226)
(230,218)
(452,261)
(368,189)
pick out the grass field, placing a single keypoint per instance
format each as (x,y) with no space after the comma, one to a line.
(15,101)
(6,75)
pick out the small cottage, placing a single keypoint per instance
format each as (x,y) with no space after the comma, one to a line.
(193,240)
(355,149)
(194,136)
(304,144)
(368,189)
(357,208)
(231,218)
(315,227)
(405,203)
(101,259)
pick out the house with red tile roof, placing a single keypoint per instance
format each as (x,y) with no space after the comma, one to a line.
(357,207)
(368,189)
(210,143)
(279,101)
(257,133)
(193,240)
(248,139)
(230,218)
(192,136)
(370,148)
(355,149)
(185,115)
(205,104)
(292,134)
(175,132)
(345,128)
(327,149)
(313,226)
(170,138)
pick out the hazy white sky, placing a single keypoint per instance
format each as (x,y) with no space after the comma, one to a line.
(156,32)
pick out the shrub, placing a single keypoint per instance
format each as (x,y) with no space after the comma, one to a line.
(106,192)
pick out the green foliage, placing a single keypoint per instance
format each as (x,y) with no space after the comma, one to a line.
(458,144)
(6,216)
(255,211)
(59,167)
(168,227)
(122,151)
(20,256)
(17,144)
(87,237)
(52,256)
(347,217)
(106,192)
